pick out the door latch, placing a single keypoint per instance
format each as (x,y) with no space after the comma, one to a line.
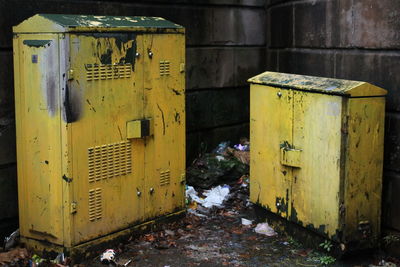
(290,156)
(139,128)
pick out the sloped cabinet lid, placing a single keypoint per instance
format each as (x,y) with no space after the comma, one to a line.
(318,84)
(46,23)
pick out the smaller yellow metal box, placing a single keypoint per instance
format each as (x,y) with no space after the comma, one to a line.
(317,154)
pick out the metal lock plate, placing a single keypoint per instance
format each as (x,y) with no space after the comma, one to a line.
(290,156)
(139,128)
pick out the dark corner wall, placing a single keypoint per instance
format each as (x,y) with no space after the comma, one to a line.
(226,44)
(349,39)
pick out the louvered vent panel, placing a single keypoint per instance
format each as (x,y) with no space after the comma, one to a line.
(108,72)
(108,161)
(165,177)
(164,68)
(95,204)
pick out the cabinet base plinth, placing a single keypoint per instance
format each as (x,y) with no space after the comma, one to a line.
(93,247)
(310,238)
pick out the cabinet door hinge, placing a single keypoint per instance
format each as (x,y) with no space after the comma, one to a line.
(183,178)
(70,74)
(345,125)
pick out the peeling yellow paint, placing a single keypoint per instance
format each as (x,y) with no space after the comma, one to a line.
(76,93)
(317,84)
(317,153)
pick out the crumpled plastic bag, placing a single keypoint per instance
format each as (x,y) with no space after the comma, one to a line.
(246,222)
(214,197)
(108,256)
(11,240)
(265,229)
(192,194)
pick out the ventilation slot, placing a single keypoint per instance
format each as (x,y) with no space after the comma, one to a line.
(164,177)
(164,68)
(95,204)
(108,72)
(108,161)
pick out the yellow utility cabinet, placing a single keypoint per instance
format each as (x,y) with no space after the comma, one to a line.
(317,154)
(100,116)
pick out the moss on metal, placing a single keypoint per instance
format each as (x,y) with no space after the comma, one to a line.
(307,83)
(73,21)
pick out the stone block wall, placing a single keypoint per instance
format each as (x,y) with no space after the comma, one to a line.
(226,44)
(358,40)
(229,41)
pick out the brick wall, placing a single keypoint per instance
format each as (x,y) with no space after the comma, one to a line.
(357,39)
(225,46)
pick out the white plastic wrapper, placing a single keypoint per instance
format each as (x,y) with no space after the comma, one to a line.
(265,229)
(214,197)
(108,256)
(246,222)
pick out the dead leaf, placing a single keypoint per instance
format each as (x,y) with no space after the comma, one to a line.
(227,214)
(149,238)
(245,256)
(303,252)
(237,231)
(251,238)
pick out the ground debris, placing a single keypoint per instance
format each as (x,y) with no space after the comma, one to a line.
(213,197)
(11,240)
(15,257)
(224,165)
(265,229)
(384,264)
(223,236)
(219,238)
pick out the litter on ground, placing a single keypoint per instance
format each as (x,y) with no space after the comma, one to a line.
(221,228)
(265,229)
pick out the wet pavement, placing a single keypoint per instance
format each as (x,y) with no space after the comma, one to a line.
(216,237)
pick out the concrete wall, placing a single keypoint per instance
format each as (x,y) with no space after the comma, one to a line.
(357,39)
(225,45)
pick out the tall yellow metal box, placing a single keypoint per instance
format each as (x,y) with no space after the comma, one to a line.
(100,115)
(317,154)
